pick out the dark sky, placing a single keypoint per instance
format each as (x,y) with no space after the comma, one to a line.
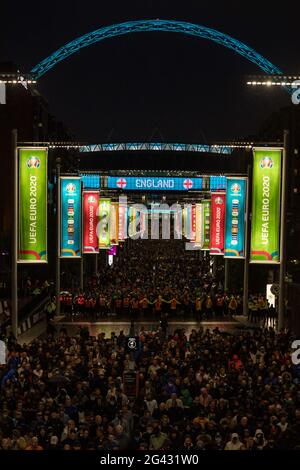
(122,89)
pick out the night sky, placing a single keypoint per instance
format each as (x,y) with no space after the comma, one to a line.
(154,86)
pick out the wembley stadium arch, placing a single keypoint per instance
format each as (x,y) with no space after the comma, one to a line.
(173,26)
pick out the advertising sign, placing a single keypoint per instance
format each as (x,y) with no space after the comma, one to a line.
(90,221)
(206,223)
(114,223)
(143,183)
(104,223)
(235,218)
(199,238)
(265,206)
(70,217)
(32,207)
(217,223)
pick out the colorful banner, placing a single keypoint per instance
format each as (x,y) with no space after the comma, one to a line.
(265,205)
(217,223)
(123,213)
(70,217)
(235,218)
(199,230)
(114,223)
(90,221)
(32,207)
(132,218)
(206,223)
(104,223)
(193,223)
(158,183)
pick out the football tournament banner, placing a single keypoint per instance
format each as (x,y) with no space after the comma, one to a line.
(217,222)
(90,221)
(199,234)
(70,217)
(32,207)
(265,224)
(114,223)
(193,223)
(132,222)
(206,223)
(122,235)
(235,218)
(104,223)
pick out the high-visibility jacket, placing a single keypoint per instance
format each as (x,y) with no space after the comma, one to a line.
(144,302)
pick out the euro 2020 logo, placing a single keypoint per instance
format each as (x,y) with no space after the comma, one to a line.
(235,188)
(70,188)
(266,162)
(33,163)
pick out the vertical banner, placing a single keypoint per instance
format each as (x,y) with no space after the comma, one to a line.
(235,218)
(90,221)
(132,216)
(104,223)
(32,214)
(265,205)
(122,232)
(193,223)
(217,222)
(70,217)
(187,221)
(206,223)
(199,233)
(114,223)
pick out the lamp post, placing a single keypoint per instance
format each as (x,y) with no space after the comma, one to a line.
(281,303)
(57,282)
(14,268)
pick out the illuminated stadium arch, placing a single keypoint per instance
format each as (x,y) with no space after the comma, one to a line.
(128,27)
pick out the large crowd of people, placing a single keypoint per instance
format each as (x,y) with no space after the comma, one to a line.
(150,280)
(207,391)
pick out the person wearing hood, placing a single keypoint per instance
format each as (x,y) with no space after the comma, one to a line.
(259,439)
(234,443)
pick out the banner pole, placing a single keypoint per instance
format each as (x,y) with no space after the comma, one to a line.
(81,272)
(247,246)
(281,303)
(226,273)
(14,270)
(81,259)
(96,263)
(57,282)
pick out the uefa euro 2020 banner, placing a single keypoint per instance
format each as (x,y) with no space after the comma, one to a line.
(206,223)
(70,217)
(32,207)
(235,217)
(217,223)
(90,221)
(104,223)
(265,205)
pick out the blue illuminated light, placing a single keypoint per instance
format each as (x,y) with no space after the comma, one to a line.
(156,147)
(182,27)
(133,183)
(217,183)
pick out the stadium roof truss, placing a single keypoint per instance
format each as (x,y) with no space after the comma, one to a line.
(129,27)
